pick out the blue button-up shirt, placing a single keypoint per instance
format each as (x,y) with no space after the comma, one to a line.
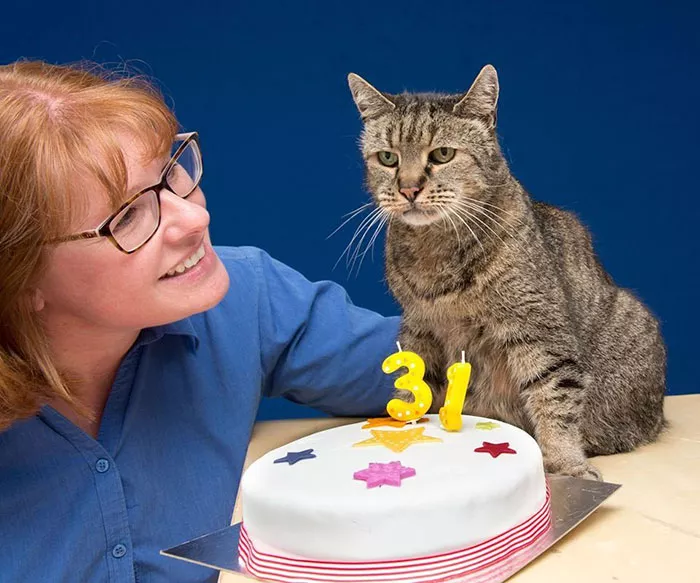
(167,460)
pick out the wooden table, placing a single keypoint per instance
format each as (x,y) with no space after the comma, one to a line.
(649,531)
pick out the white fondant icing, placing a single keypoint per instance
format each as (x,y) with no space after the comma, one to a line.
(315,509)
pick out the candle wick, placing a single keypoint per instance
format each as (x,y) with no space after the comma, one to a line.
(463,357)
(398,345)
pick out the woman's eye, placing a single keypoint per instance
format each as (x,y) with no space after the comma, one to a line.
(441,155)
(127,220)
(388,158)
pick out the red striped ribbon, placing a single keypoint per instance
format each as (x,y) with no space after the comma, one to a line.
(479,562)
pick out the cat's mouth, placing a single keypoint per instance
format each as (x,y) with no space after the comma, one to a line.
(418,217)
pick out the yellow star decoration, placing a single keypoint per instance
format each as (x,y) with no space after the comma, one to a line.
(396,441)
(487,425)
(387,422)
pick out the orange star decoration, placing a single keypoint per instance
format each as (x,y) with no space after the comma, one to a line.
(486,425)
(387,422)
(396,441)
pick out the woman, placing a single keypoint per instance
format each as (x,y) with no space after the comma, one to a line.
(133,354)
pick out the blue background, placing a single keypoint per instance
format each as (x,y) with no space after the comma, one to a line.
(598,114)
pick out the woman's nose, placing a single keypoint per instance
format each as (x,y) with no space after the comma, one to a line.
(183,217)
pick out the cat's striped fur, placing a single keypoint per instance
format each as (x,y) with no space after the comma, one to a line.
(476,265)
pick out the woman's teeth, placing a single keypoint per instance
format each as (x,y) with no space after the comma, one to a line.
(187,263)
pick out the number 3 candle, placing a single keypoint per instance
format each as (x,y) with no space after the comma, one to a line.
(411,381)
(458,377)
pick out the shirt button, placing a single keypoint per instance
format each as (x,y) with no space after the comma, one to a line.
(102,465)
(118,551)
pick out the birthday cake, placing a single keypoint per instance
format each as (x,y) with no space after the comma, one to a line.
(386,500)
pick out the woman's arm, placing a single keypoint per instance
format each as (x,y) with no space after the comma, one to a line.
(318,348)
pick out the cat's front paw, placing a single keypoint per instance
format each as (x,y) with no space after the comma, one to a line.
(576,468)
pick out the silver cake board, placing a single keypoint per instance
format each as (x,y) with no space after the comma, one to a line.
(573,500)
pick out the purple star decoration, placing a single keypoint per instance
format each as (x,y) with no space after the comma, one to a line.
(390,474)
(293,457)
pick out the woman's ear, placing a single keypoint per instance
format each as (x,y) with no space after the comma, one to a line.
(38,302)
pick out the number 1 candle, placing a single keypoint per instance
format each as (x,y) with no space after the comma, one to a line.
(411,381)
(458,381)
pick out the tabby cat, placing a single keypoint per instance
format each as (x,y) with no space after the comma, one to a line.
(478,266)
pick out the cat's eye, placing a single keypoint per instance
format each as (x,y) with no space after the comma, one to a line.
(388,158)
(441,155)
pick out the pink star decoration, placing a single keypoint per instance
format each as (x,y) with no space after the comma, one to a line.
(495,449)
(390,474)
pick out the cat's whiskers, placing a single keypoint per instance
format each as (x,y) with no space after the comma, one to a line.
(498,208)
(364,228)
(365,221)
(450,198)
(497,220)
(451,210)
(377,217)
(469,216)
(516,234)
(446,216)
(483,184)
(511,230)
(370,245)
(502,220)
(462,210)
(465,221)
(466,210)
(351,215)
(359,209)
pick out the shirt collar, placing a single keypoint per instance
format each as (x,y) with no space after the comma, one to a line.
(180,328)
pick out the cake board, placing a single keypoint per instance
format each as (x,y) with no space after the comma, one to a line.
(573,500)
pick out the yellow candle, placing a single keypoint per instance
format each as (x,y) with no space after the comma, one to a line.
(458,381)
(411,381)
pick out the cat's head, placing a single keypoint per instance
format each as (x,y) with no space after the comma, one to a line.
(428,155)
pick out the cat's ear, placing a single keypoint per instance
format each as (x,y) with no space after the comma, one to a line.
(482,97)
(369,101)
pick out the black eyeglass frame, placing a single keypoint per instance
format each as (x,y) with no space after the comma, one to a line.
(104,229)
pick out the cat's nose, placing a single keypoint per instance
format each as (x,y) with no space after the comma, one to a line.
(410,193)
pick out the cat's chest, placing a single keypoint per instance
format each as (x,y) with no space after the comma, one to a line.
(425,269)
(493,390)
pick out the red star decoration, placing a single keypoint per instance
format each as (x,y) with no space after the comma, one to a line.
(495,449)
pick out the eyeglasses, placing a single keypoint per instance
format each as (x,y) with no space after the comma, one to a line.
(138,219)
